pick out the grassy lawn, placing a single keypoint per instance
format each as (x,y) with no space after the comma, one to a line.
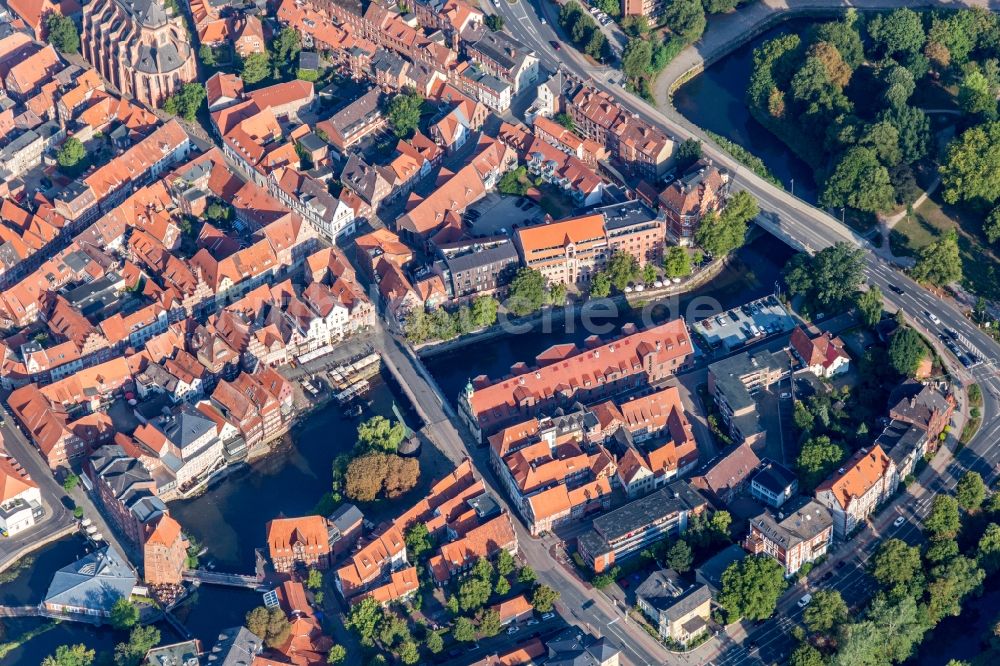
(933,218)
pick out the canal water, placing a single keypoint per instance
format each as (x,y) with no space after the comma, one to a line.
(751,273)
(716,100)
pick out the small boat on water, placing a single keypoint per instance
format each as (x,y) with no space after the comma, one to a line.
(354,411)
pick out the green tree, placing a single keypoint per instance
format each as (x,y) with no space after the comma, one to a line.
(991,226)
(899,32)
(802,417)
(687,153)
(526,575)
(896,563)
(315,580)
(971,169)
(527,292)
(869,304)
(720,234)
(514,183)
(830,277)
(484,311)
(887,635)
(845,37)
(600,285)
(951,582)
(819,456)
(409,653)
(883,138)
(418,541)
(720,6)
(907,351)
(622,268)
(490,625)
(70,655)
(943,521)
(255,68)
(970,491)
(124,614)
(434,642)
(566,121)
(62,33)
(751,587)
(988,549)
(186,102)
(363,619)
(676,262)
(860,181)
(609,7)
(543,597)
(505,563)
(941,550)
(636,26)
(483,569)
(806,655)
(207,56)
(285,48)
(72,157)
(686,19)
(336,655)
(939,262)
(637,58)
(502,587)
(380,434)
(679,557)
(404,113)
(913,128)
(70,482)
(463,630)
(140,641)
(976,95)
(494,22)
(825,612)
(473,593)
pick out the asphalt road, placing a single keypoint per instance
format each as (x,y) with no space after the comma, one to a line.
(57,517)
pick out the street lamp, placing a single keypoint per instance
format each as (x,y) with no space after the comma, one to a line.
(793,187)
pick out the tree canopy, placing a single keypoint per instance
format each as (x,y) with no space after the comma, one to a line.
(404,113)
(971,169)
(819,456)
(255,68)
(907,351)
(380,434)
(751,587)
(869,304)
(186,102)
(721,233)
(72,157)
(860,181)
(62,33)
(527,291)
(940,262)
(828,278)
(70,655)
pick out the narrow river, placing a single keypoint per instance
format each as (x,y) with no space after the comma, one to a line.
(715,100)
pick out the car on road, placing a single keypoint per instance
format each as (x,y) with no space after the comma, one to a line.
(512,630)
(896,290)
(542,21)
(532,623)
(827,576)
(932,317)
(548,616)
(804,601)
(587,604)
(555,45)
(841,564)
(951,333)
(751,647)
(899,521)
(786,395)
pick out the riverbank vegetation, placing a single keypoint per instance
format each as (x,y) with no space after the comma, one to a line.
(853,98)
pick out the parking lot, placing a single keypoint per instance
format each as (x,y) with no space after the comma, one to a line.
(747,323)
(498,214)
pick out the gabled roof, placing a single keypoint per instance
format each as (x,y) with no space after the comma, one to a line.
(14,481)
(94,582)
(861,473)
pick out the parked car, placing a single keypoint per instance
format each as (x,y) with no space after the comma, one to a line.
(804,601)
(512,630)
(548,616)
(786,395)
(898,522)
